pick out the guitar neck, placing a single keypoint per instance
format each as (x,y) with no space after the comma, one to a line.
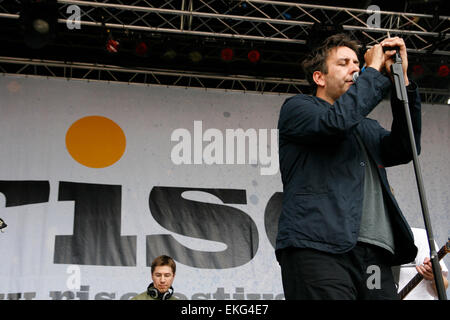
(418,277)
(410,285)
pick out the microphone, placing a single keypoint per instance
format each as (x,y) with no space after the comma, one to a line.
(357,74)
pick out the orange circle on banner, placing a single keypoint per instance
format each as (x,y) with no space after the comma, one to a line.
(95,141)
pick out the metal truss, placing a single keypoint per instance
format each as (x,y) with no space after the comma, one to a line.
(433,96)
(95,72)
(142,76)
(256,20)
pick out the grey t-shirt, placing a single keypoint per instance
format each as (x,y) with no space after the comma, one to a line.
(375,226)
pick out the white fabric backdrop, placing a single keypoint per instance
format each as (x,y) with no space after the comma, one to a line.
(35,114)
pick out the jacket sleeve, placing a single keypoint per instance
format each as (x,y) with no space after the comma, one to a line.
(396,144)
(304,119)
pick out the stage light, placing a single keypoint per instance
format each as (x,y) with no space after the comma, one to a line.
(443,70)
(169,54)
(39,22)
(417,70)
(254,56)
(112,45)
(195,56)
(227,54)
(41,26)
(141,49)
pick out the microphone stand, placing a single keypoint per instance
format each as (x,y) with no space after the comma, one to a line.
(400,88)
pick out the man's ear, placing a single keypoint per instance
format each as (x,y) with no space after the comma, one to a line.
(319,78)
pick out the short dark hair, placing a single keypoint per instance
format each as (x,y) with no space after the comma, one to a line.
(163,261)
(317,60)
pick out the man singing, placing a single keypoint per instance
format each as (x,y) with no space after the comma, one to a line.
(340,229)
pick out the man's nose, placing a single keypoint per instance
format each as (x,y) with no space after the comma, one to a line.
(354,68)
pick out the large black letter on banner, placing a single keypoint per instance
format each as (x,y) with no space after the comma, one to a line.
(272,215)
(20,193)
(96,236)
(204,221)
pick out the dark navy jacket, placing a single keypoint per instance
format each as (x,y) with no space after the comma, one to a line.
(322,165)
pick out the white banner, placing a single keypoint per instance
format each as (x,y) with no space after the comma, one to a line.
(97,179)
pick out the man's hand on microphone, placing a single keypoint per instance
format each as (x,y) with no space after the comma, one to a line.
(396,42)
(375,57)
